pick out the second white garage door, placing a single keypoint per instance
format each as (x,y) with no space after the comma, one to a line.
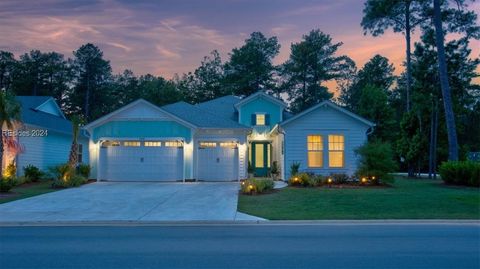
(217,161)
(142,161)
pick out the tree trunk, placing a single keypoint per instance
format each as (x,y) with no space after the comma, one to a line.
(444,84)
(435,135)
(408,51)
(87,100)
(431,152)
(1,156)
(73,158)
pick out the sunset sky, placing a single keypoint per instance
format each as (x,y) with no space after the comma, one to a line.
(167,37)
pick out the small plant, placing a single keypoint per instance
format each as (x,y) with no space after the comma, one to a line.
(461,173)
(319,180)
(73,181)
(301,179)
(376,162)
(339,178)
(275,170)
(84,170)
(294,167)
(7,183)
(32,173)
(256,186)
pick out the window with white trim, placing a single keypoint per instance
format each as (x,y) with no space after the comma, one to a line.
(176,144)
(315,151)
(228,145)
(260,119)
(131,143)
(207,145)
(152,144)
(336,151)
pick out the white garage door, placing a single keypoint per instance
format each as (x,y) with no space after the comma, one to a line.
(217,161)
(142,161)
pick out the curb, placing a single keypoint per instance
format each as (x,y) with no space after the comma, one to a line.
(391,222)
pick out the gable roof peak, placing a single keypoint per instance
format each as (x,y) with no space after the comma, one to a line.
(260,94)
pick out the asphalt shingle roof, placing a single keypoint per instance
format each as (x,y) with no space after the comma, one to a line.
(202,118)
(30,115)
(222,106)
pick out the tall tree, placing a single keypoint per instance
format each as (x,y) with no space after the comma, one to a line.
(40,73)
(7,67)
(373,105)
(92,75)
(377,72)
(313,62)
(403,16)
(207,81)
(250,67)
(9,113)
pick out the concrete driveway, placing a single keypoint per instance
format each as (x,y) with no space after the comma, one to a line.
(128,201)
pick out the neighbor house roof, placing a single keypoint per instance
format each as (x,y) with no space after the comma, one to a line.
(222,106)
(201,118)
(332,105)
(32,116)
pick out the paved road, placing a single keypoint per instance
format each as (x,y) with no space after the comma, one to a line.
(129,201)
(242,246)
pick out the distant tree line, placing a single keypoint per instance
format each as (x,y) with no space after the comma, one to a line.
(413,112)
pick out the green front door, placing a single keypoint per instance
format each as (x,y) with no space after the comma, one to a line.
(261,158)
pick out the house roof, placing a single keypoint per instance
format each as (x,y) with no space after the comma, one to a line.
(260,94)
(105,118)
(201,117)
(222,106)
(31,115)
(332,105)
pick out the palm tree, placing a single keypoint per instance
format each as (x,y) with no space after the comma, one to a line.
(9,113)
(444,85)
(73,158)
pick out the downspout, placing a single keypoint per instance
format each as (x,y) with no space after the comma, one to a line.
(284,147)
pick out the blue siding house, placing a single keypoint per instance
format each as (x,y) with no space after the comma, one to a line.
(46,135)
(217,140)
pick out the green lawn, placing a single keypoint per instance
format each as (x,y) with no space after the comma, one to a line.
(27,190)
(406,199)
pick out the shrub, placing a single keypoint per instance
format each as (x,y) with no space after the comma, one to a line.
(7,183)
(274,170)
(62,171)
(376,162)
(84,170)
(73,181)
(319,180)
(256,185)
(22,180)
(10,170)
(301,179)
(32,173)
(460,173)
(340,178)
(294,167)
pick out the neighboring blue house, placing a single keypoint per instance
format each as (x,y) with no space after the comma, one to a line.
(216,140)
(46,135)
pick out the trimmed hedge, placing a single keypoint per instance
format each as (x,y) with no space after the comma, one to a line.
(460,173)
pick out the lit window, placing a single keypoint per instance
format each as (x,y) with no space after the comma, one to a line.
(80,153)
(208,144)
(260,119)
(315,150)
(336,147)
(228,144)
(172,144)
(153,144)
(131,143)
(110,144)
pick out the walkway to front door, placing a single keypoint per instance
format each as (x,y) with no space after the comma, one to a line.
(260,158)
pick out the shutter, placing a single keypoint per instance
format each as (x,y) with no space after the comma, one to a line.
(254,119)
(267,119)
